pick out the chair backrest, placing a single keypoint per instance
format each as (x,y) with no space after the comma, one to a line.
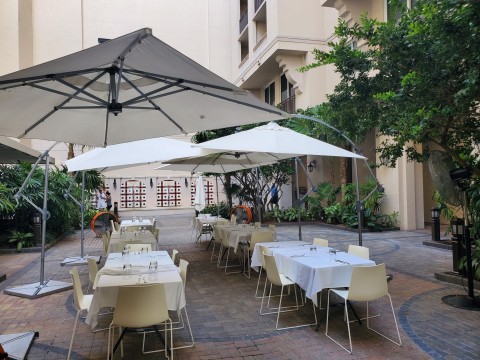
(272,227)
(217,234)
(154,225)
(156,233)
(360,251)
(233,219)
(106,243)
(174,254)
(112,224)
(272,271)
(136,247)
(78,297)
(258,224)
(259,237)
(92,269)
(225,237)
(368,283)
(140,306)
(320,242)
(263,251)
(182,265)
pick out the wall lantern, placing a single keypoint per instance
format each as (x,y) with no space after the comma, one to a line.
(114,183)
(151,182)
(186,182)
(312,165)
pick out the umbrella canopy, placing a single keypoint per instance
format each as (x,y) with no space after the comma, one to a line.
(132,154)
(200,201)
(275,139)
(12,151)
(225,162)
(131,88)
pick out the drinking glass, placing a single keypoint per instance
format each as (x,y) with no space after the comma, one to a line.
(153,266)
(333,254)
(127,268)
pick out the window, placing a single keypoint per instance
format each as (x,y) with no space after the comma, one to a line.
(270,94)
(286,88)
(398,4)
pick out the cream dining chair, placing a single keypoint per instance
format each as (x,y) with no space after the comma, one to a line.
(257,237)
(320,242)
(80,301)
(368,283)
(139,307)
(360,251)
(279,279)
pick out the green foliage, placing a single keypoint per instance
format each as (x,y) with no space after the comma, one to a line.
(64,213)
(6,205)
(415,79)
(223,209)
(21,239)
(475,260)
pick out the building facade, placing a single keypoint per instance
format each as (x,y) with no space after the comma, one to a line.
(256,44)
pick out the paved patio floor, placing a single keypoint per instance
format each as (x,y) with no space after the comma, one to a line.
(224,313)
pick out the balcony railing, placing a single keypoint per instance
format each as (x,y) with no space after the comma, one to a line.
(243,20)
(288,105)
(258,3)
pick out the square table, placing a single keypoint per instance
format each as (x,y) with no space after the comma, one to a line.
(112,275)
(273,247)
(317,270)
(134,223)
(118,239)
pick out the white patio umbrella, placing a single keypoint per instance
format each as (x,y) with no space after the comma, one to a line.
(200,201)
(275,139)
(223,162)
(151,90)
(134,153)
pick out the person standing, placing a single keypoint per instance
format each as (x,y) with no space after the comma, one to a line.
(108,199)
(273,196)
(101,200)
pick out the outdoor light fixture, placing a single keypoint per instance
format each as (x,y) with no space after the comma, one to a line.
(384,159)
(435,224)
(312,165)
(151,182)
(457,228)
(114,183)
(186,182)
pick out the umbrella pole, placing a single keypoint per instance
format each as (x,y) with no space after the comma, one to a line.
(359,203)
(298,198)
(82,219)
(259,209)
(218,204)
(45,216)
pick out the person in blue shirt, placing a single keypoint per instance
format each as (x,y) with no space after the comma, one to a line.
(273,196)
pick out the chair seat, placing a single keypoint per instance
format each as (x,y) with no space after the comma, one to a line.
(342,293)
(86,301)
(285,281)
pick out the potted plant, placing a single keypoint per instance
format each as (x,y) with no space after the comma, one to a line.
(20,238)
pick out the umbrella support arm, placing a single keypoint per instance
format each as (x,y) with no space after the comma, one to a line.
(378,186)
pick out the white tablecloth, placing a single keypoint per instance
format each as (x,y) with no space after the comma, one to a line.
(238,234)
(316,270)
(129,223)
(112,275)
(118,240)
(273,246)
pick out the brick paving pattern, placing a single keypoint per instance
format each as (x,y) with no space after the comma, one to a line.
(224,313)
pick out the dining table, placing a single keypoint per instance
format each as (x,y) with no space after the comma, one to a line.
(118,240)
(133,269)
(240,233)
(136,223)
(273,246)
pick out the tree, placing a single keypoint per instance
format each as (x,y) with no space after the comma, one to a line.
(416,79)
(245,185)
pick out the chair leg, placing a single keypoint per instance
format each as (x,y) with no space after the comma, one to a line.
(73,335)
(258,282)
(227,266)
(399,343)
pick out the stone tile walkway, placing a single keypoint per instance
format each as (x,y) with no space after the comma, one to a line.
(224,313)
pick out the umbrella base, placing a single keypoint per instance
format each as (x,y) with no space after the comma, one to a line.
(36,290)
(78,260)
(17,345)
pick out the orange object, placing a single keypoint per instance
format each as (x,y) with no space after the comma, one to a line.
(107,215)
(247,210)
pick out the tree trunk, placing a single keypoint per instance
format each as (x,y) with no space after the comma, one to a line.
(71,153)
(343,172)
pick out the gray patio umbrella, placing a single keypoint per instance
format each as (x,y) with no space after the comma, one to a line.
(131,88)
